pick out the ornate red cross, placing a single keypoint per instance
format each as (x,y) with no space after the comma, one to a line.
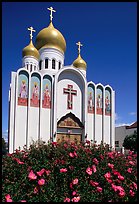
(70,93)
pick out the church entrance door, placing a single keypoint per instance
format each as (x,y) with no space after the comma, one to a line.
(69,128)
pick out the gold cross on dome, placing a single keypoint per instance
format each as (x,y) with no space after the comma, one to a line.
(79,47)
(31,30)
(51,12)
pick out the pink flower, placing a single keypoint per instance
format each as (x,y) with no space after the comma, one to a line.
(93,183)
(129,170)
(23,201)
(71,186)
(75,181)
(99,189)
(32,175)
(135,185)
(35,190)
(74,193)
(47,172)
(121,177)
(89,171)
(54,143)
(132,193)
(121,194)
(8,198)
(110,165)
(41,172)
(109,180)
(71,154)
(71,168)
(41,182)
(116,173)
(63,170)
(129,157)
(110,154)
(107,175)
(94,168)
(132,163)
(65,145)
(67,200)
(114,187)
(101,156)
(75,154)
(95,161)
(75,199)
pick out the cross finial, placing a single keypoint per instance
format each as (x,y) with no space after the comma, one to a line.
(79,47)
(51,10)
(31,30)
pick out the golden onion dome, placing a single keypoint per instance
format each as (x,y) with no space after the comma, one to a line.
(80,63)
(50,37)
(30,50)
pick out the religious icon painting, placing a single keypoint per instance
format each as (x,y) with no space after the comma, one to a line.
(107,102)
(99,101)
(46,94)
(90,106)
(23,88)
(35,91)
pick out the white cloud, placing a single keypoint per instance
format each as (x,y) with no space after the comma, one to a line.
(122,124)
(132,113)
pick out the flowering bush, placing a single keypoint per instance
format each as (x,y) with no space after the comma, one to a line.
(67,172)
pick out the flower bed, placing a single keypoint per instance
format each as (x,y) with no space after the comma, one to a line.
(69,173)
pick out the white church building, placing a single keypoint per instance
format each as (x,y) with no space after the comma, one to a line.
(54,102)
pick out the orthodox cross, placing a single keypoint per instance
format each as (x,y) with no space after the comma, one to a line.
(79,47)
(31,30)
(51,12)
(70,93)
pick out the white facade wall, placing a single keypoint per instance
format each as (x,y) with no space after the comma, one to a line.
(98,129)
(28,60)
(90,126)
(107,129)
(45,124)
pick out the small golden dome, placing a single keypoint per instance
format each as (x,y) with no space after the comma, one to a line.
(50,37)
(30,50)
(80,63)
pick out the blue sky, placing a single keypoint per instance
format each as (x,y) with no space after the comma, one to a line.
(108,32)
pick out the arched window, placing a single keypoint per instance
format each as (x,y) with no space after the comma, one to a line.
(46,63)
(31,68)
(27,66)
(40,64)
(34,68)
(53,64)
(59,65)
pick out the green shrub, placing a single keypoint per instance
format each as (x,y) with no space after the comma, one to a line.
(69,172)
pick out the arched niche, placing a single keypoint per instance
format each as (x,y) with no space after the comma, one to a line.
(23,84)
(108,101)
(46,92)
(35,88)
(99,100)
(90,98)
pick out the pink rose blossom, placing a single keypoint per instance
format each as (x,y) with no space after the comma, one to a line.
(99,189)
(132,193)
(89,171)
(63,170)
(107,175)
(114,187)
(71,154)
(75,199)
(74,193)
(41,182)
(35,190)
(67,200)
(95,161)
(101,156)
(121,194)
(135,185)
(129,170)
(93,183)
(94,168)
(47,172)
(65,145)
(71,186)
(109,180)
(121,177)
(129,157)
(132,163)
(75,154)
(75,181)
(32,175)
(110,165)
(8,198)
(41,172)
(116,173)
(23,201)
